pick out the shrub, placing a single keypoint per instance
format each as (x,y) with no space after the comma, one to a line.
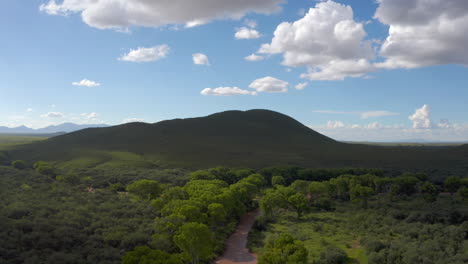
(19,164)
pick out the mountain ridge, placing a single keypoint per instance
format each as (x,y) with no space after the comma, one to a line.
(66,127)
(254,138)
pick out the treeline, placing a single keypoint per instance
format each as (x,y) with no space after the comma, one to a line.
(302,196)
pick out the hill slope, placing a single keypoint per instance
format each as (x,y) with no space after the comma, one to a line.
(255,138)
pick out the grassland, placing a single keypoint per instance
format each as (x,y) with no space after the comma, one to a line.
(10,140)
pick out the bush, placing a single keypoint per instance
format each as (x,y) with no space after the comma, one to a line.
(117,187)
(333,255)
(19,164)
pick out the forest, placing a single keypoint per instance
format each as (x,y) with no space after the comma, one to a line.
(348,215)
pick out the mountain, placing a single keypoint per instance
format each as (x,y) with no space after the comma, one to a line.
(65,127)
(255,138)
(19,130)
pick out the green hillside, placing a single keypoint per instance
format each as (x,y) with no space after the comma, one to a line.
(255,138)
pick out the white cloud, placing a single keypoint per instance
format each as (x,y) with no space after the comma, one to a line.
(200,59)
(422,118)
(86,83)
(424,32)
(254,57)
(146,54)
(246,33)
(195,23)
(269,85)
(327,41)
(29,110)
(301,86)
(338,70)
(226,91)
(335,124)
(118,14)
(53,115)
(377,132)
(444,123)
(362,114)
(374,125)
(89,116)
(132,120)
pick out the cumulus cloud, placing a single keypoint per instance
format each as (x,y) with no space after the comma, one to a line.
(424,32)
(422,118)
(327,41)
(246,33)
(254,57)
(301,86)
(335,124)
(29,110)
(53,115)
(226,91)
(146,54)
(200,59)
(269,85)
(118,14)
(86,83)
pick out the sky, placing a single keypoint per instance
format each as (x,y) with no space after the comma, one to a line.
(360,70)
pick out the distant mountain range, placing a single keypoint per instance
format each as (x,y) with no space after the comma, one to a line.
(64,128)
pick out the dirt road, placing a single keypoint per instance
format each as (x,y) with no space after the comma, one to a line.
(236,246)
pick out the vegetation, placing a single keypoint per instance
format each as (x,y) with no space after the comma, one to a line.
(367,219)
(231,139)
(121,204)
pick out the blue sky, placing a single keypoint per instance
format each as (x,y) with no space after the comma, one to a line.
(73,61)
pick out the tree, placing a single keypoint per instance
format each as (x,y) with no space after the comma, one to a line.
(271,202)
(195,239)
(216,212)
(19,164)
(299,202)
(145,189)
(360,194)
(319,189)
(334,255)
(452,184)
(430,192)
(45,168)
(117,187)
(300,186)
(284,250)
(145,255)
(277,180)
(405,184)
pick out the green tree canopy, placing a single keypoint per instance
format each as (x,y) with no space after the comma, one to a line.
(277,180)
(195,239)
(452,184)
(299,202)
(145,189)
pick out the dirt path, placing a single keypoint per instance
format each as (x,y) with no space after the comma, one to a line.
(236,246)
